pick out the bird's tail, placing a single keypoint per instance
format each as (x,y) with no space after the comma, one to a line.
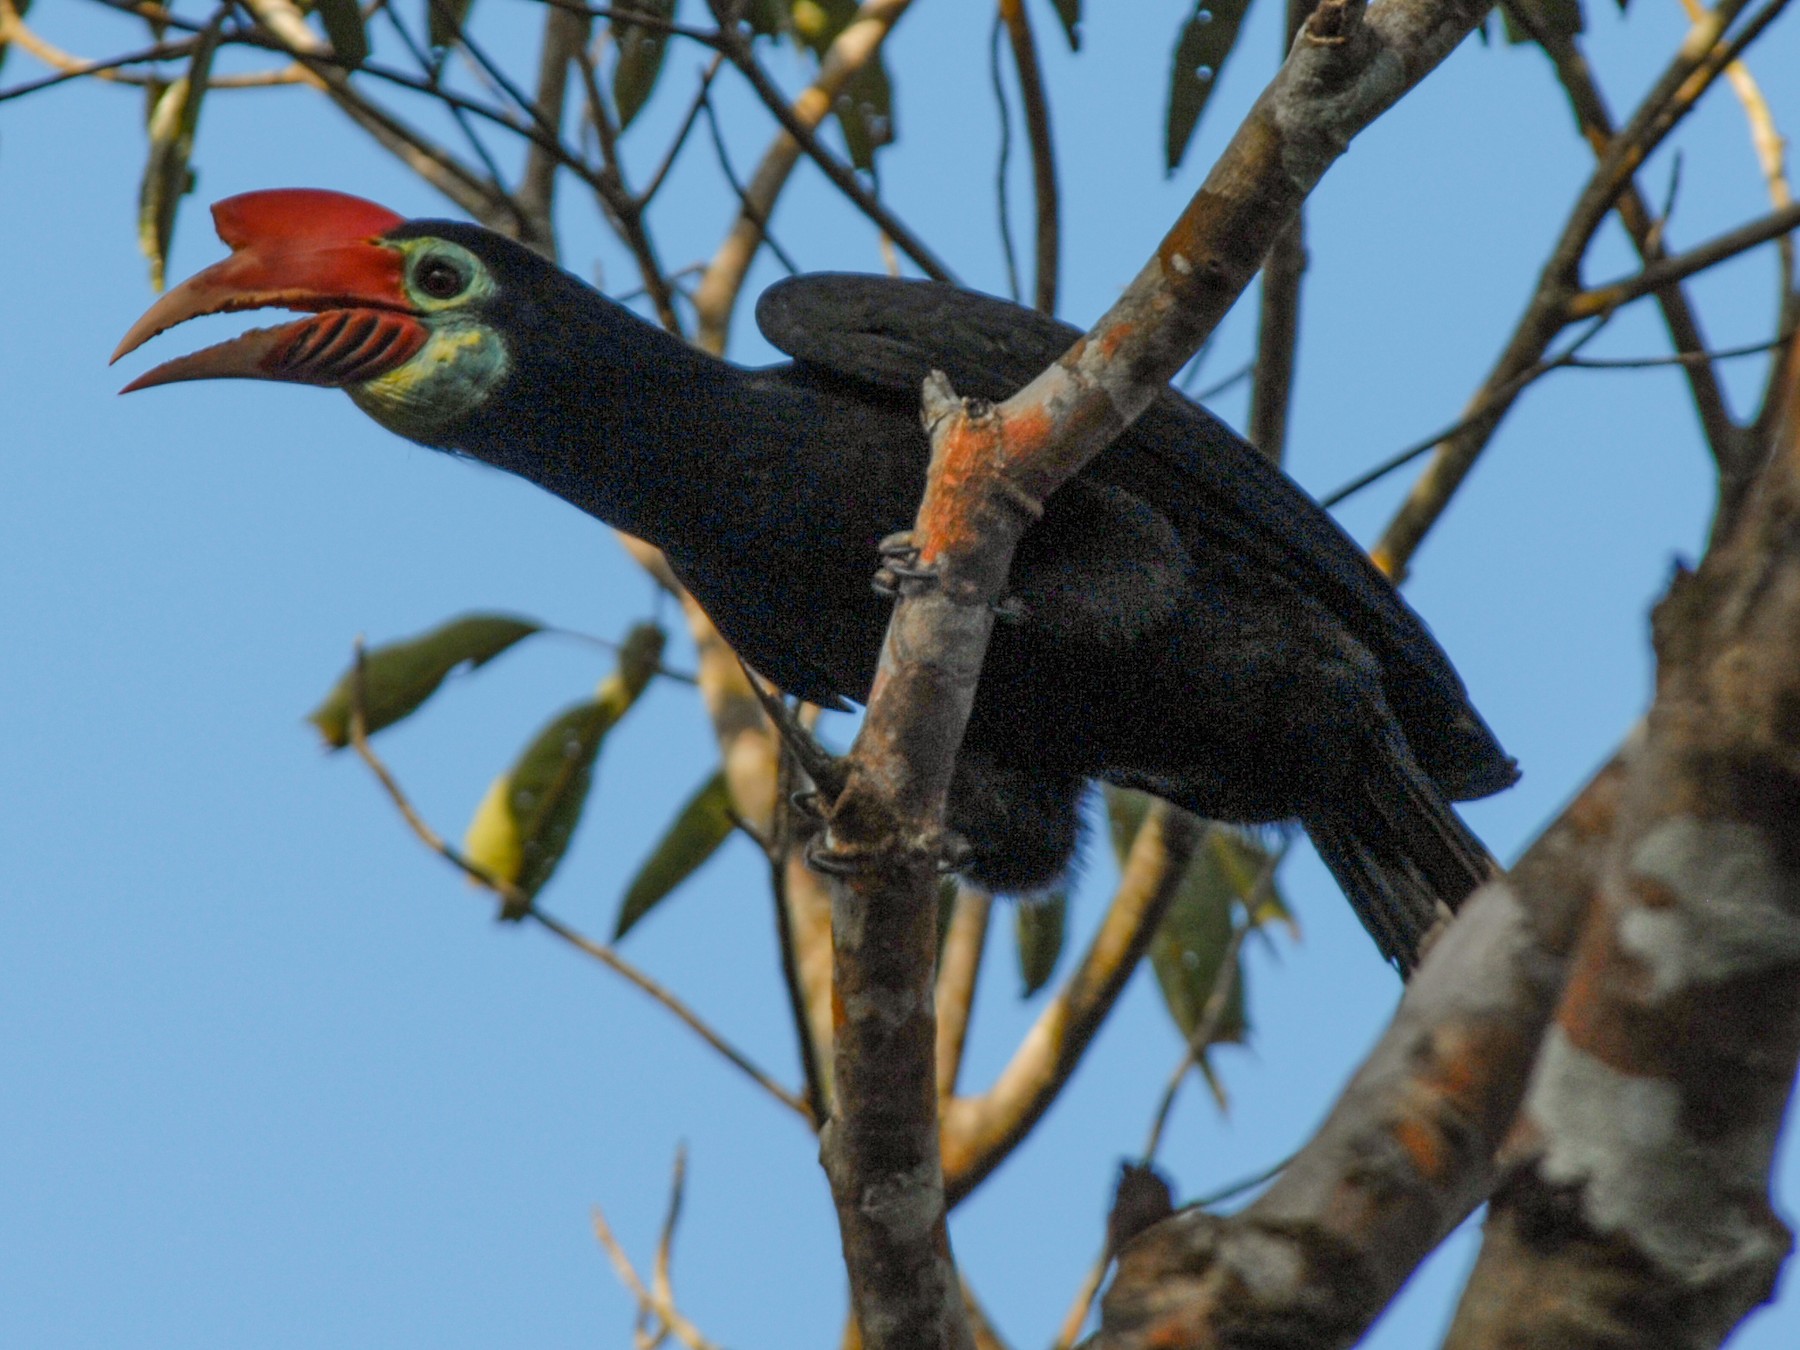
(1402,855)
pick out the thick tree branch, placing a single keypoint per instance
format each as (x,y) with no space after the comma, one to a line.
(1637,1180)
(1405,1154)
(991,469)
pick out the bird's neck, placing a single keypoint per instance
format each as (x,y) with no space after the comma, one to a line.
(621,419)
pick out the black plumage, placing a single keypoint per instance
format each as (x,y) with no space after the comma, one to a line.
(1189,622)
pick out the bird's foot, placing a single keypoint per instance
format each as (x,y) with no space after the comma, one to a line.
(950,853)
(810,804)
(900,572)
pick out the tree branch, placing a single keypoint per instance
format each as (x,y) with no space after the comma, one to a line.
(1703,55)
(980,1132)
(1043,150)
(1636,1180)
(850,51)
(991,469)
(1406,1152)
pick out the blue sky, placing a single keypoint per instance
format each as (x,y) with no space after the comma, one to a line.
(272,1075)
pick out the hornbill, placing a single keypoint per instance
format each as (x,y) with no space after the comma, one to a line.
(1188,622)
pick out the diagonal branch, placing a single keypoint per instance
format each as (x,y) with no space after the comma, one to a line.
(1707,51)
(850,51)
(980,1132)
(991,469)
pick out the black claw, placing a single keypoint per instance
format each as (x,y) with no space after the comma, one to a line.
(1009,609)
(823,857)
(808,803)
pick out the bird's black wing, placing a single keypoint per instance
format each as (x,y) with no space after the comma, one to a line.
(1214,486)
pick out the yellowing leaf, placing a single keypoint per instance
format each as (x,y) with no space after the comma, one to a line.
(399,677)
(522,828)
(174,117)
(701,826)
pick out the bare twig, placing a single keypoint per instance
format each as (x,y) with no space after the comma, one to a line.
(1278,319)
(850,51)
(1680,266)
(1043,150)
(1706,52)
(979,1132)
(657,1314)
(565,34)
(522,904)
(958,966)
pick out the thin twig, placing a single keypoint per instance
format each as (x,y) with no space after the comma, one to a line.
(1003,162)
(959,964)
(650,1306)
(1212,1017)
(747,207)
(519,902)
(707,76)
(1680,266)
(1495,398)
(1043,151)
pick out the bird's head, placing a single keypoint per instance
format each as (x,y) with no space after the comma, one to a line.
(399,311)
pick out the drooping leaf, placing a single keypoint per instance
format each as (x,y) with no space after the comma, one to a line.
(816,23)
(1524,20)
(865,106)
(445,19)
(701,826)
(522,827)
(640,59)
(1069,11)
(1201,47)
(1125,812)
(343,22)
(1190,945)
(399,677)
(168,175)
(1039,928)
(865,111)
(766,18)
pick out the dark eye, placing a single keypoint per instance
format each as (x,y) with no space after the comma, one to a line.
(441,278)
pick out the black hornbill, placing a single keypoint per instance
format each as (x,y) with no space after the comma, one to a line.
(1188,622)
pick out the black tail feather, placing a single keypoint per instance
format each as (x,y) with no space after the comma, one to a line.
(1402,855)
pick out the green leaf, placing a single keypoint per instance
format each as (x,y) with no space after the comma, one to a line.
(1190,945)
(522,827)
(1125,812)
(700,827)
(1039,928)
(399,677)
(865,111)
(640,60)
(168,177)
(343,22)
(1205,41)
(1551,18)
(816,23)
(1069,11)
(444,20)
